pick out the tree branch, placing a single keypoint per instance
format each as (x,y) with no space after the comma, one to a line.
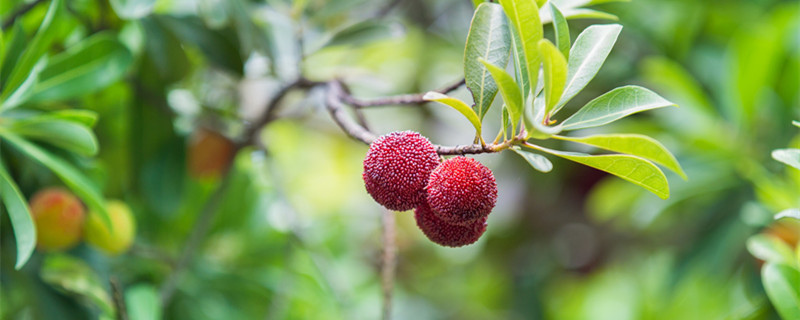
(396,100)
(24,9)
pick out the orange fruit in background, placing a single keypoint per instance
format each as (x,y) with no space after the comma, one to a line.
(210,153)
(788,230)
(120,236)
(59,217)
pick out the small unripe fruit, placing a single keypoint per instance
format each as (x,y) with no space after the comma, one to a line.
(58,216)
(443,233)
(123,229)
(461,191)
(210,153)
(397,167)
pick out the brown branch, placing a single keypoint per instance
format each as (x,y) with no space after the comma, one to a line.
(388,262)
(117,297)
(396,100)
(24,9)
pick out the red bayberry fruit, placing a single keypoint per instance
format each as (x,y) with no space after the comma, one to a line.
(461,191)
(443,233)
(397,167)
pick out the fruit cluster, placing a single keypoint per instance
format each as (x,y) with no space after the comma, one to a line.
(452,198)
(61,222)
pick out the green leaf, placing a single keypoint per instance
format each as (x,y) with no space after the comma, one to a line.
(631,168)
(362,33)
(220,49)
(132,9)
(75,276)
(770,249)
(142,302)
(537,161)
(490,40)
(555,74)
(561,29)
(459,105)
(15,43)
(68,174)
(86,67)
(527,30)
(510,91)
(788,213)
(23,93)
(535,119)
(788,156)
(21,220)
(33,53)
(587,55)
(633,144)
(60,133)
(476,3)
(782,284)
(86,118)
(614,105)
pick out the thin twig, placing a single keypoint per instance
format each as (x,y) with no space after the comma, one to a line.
(24,9)
(389,261)
(397,100)
(117,297)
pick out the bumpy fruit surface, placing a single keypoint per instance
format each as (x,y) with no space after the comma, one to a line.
(210,153)
(118,239)
(446,234)
(461,191)
(397,167)
(58,216)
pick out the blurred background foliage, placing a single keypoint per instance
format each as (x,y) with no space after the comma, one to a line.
(295,236)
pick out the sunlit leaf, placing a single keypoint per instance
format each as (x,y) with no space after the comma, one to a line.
(509,90)
(633,144)
(23,93)
(614,105)
(459,105)
(631,168)
(537,161)
(555,74)
(587,55)
(60,133)
(527,31)
(21,221)
(782,284)
(788,156)
(770,249)
(488,39)
(561,29)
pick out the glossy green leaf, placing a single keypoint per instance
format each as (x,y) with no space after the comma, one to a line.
(782,284)
(73,178)
(555,74)
(633,144)
(60,133)
(362,33)
(770,249)
(21,221)
(587,55)
(488,39)
(535,119)
(509,90)
(527,30)
(614,105)
(33,53)
(459,105)
(537,161)
(86,118)
(14,45)
(75,276)
(132,9)
(143,302)
(788,156)
(631,168)
(86,67)
(23,93)
(561,30)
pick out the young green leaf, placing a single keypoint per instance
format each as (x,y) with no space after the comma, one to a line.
(459,105)
(614,105)
(88,66)
(510,91)
(770,249)
(633,144)
(788,156)
(33,53)
(561,29)
(527,30)
(634,169)
(555,74)
(21,221)
(23,92)
(60,133)
(537,161)
(587,55)
(68,174)
(781,283)
(490,40)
